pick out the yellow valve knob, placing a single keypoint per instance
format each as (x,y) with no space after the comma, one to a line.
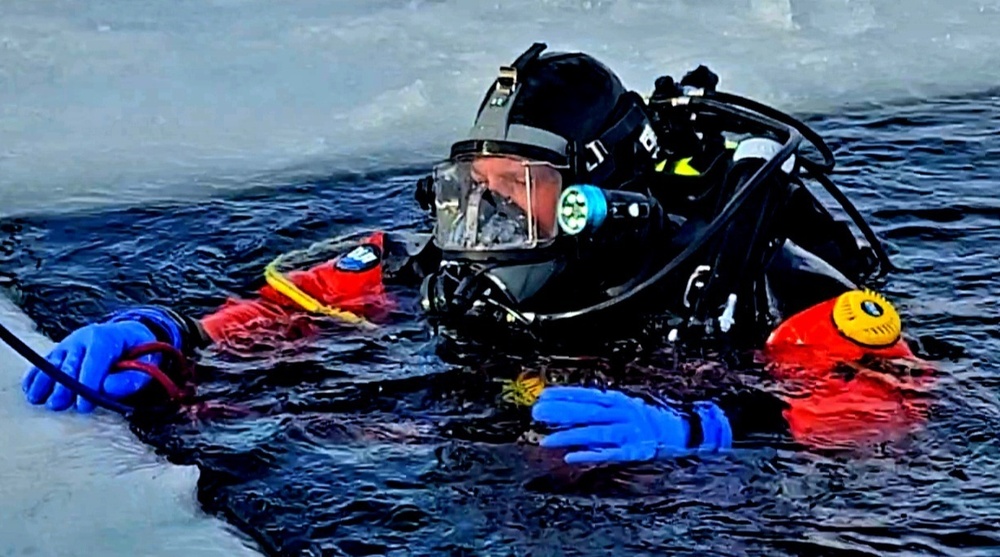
(867,318)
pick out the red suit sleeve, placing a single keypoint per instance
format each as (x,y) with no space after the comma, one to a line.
(350,282)
(840,393)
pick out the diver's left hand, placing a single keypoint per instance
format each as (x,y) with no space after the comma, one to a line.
(613,427)
(87,355)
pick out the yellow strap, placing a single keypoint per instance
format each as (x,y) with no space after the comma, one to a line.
(683,168)
(286,287)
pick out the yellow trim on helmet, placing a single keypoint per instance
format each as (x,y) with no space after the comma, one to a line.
(867,318)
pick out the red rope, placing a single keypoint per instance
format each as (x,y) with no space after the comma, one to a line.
(171,360)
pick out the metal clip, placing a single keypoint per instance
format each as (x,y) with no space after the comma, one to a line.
(726,320)
(599,151)
(507,80)
(699,270)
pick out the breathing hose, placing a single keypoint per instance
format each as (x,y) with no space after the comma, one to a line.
(816,170)
(767,118)
(713,228)
(810,135)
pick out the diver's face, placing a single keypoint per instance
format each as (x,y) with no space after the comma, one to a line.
(508,177)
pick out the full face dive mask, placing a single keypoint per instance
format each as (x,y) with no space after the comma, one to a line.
(508,230)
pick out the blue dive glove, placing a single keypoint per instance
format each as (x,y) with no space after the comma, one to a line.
(89,353)
(612,427)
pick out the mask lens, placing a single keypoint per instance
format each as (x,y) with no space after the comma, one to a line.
(493,202)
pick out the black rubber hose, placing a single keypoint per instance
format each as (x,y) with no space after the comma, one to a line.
(717,224)
(770,119)
(885,264)
(829,161)
(818,171)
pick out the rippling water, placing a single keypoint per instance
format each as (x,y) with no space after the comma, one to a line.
(368,443)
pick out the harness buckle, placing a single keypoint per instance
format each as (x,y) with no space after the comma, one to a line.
(600,154)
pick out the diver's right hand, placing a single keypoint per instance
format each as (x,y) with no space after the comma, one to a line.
(87,355)
(610,426)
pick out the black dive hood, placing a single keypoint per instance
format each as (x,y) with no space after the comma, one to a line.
(567,109)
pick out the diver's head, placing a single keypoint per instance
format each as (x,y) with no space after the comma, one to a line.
(548,122)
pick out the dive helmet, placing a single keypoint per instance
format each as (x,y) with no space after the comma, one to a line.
(552,130)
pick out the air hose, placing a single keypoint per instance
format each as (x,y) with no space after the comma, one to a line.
(808,133)
(817,170)
(707,234)
(885,264)
(766,118)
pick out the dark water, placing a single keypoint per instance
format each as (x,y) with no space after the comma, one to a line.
(369,444)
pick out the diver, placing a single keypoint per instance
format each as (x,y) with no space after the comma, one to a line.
(576,209)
